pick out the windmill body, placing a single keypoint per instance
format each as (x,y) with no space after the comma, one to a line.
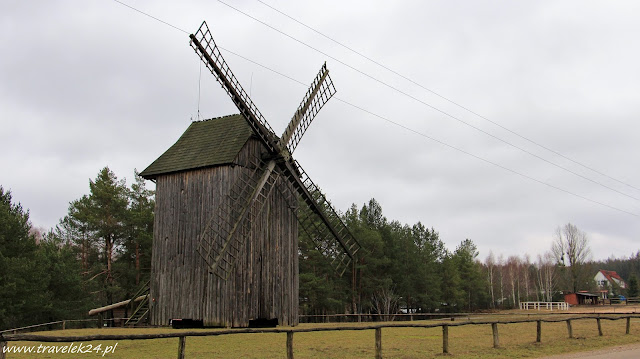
(225,247)
(193,179)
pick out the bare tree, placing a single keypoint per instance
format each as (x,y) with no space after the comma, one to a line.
(546,276)
(385,302)
(571,249)
(491,268)
(513,266)
(501,277)
(526,264)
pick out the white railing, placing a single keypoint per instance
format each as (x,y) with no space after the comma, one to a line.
(544,305)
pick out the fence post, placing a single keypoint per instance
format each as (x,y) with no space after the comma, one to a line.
(181,344)
(599,327)
(290,345)
(538,331)
(64,324)
(378,343)
(628,325)
(569,328)
(445,339)
(3,345)
(496,339)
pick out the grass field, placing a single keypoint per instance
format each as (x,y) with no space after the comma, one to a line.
(471,341)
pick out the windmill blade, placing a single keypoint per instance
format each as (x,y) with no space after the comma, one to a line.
(202,42)
(319,93)
(321,222)
(226,233)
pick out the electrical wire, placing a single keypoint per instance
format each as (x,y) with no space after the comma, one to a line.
(447,114)
(435,139)
(444,97)
(398,124)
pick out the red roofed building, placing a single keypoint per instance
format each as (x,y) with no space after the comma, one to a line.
(608,280)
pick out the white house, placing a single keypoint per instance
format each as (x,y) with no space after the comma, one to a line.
(608,281)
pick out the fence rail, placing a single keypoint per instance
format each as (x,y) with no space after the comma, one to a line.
(4,339)
(62,323)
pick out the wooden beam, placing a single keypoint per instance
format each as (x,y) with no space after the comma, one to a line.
(378,343)
(496,339)
(599,327)
(115,305)
(569,328)
(289,345)
(181,346)
(628,325)
(445,339)
(538,331)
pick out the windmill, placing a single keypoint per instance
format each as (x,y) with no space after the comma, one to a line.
(229,190)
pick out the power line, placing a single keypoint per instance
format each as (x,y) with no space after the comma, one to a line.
(403,126)
(151,16)
(437,140)
(427,104)
(444,97)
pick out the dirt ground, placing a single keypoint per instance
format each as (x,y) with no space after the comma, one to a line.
(616,308)
(619,351)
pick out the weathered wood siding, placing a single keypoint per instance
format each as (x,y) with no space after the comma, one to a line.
(264,282)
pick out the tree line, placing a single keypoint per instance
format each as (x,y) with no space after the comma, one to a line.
(100,253)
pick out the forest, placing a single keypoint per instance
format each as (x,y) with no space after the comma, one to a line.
(100,253)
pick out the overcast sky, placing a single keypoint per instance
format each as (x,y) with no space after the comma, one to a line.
(88,84)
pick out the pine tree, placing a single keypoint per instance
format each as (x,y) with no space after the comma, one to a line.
(39,282)
(633,290)
(98,220)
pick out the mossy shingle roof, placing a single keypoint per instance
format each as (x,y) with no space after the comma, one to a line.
(204,144)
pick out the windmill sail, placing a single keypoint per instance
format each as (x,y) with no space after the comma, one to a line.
(321,223)
(226,232)
(223,239)
(202,42)
(319,93)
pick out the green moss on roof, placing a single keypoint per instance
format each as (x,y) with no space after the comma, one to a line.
(204,144)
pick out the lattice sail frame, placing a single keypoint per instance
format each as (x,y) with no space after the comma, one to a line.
(319,93)
(227,231)
(210,54)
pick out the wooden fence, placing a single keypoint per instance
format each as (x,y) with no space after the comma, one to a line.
(544,305)
(4,338)
(64,324)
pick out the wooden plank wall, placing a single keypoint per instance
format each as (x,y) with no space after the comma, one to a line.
(264,283)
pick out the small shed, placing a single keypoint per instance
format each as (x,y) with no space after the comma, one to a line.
(581,298)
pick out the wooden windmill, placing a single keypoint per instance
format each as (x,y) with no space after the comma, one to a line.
(225,247)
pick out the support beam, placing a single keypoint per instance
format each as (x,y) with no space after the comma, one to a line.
(115,305)
(599,326)
(569,329)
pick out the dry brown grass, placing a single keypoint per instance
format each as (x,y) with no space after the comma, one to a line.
(471,341)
